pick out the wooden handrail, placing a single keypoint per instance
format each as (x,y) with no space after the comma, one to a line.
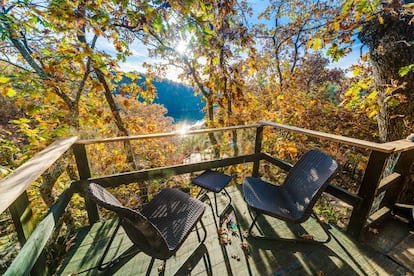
(164,135)
(385,147)
(389,147)
(400,145)
(14,184)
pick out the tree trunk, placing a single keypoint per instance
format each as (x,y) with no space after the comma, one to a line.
(210,114)
(118,120)
(390,47)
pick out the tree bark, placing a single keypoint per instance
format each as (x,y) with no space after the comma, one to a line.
(211,136)
(118,120)
(390,48)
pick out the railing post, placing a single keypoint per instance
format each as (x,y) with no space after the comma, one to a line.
(22,218)
(23,221)
(369,184)
(257,149)
(82,162)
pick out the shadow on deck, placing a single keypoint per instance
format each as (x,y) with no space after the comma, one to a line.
(342,254)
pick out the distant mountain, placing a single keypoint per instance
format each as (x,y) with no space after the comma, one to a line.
(178,99)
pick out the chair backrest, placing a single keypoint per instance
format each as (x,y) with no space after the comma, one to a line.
(308,178)
(137,227)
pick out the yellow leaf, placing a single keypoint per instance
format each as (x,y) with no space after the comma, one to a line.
(293,150)
(10,92)
(307,237)
(317,43)
(372,114)
(361,166)
(381,19)
(357,71)
(372,95)
(4,79)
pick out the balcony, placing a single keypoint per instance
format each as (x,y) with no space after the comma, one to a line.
(353,248)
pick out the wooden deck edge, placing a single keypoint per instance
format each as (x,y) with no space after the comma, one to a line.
(34,246)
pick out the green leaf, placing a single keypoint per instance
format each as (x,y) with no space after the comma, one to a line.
(45,51)
(34,19)
(61,131)
(406,69)
(157,24)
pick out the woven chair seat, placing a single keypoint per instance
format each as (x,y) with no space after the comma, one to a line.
(213,181)
(174,214)
(271,200)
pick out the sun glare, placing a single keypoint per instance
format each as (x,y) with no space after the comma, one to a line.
(184,128)
(182,46)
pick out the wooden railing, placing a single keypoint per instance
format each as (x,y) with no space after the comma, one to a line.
(13,196)
(12,188)
(373,183)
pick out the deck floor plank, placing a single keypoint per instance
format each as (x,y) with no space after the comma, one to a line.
(340,255)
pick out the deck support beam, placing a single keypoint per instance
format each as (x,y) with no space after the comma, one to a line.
(257,150)
(82,162)
(367,192)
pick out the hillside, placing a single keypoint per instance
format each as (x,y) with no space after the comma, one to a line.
(178,99)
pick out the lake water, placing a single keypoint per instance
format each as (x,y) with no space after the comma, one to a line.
(189,117)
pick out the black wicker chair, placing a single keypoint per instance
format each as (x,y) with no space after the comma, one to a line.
(159,229)
(292,201)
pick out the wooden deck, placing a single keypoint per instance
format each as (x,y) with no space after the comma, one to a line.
(340,255)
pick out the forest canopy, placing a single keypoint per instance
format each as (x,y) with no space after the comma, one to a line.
(58,80)
(55,73)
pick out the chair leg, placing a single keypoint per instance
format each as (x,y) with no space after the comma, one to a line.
(132,250)
(203,196)
(201,241)
(198,234)
(102,267)
(262,236)
(200,244)
(206,260)
(216,212)
(150,266)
